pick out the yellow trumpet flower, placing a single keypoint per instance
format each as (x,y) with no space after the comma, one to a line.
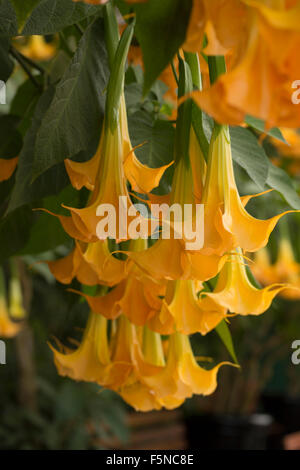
(91,264)
(158,383)
(8,328)
(172,259)
(133,364)
(227,223)
(189,313)
(16,308)
(285,269)
(290,148)
(235,292)
(38,49)
(142,178)
(136,296)
(92,361)
(183,372)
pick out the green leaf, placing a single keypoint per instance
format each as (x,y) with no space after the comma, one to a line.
(249,154)
(161,29)
(259,125)
(73,121)
(6,64)
(279,180)
(10,137)
(45,234)
(23,9)
(158,138)
(52,181)
(14,231)
(224,333)
(23,104)
(8,19)
(51,16)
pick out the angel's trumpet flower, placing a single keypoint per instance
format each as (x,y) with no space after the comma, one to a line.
(110,194)
(176,257)
(7,167)
(141,177)
(235,292)
(188,313)
(110,191)
(200,380)
(136,296)
(8,328)
(92,361)
(227,223)
(262,268)
(134,365)
(141,388)
(38,49)
(128,350)
(184,370)
(285,269)
(89,362)
(291,147)
(91,264)
(16,307)
(168,383)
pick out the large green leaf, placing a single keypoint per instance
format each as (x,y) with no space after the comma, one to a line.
(8,19)
(23,9)
(249,154)
(279,180)
(14,231)
(23,104)
(161,29)
(259,125)
(73,121)
(45,234)
(158,138)
(6,64)
(10,137)
(51,16)
(50,182)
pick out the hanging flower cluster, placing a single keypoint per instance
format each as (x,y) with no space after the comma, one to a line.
(156,294)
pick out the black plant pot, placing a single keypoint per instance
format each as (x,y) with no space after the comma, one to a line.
(291,415)
(228,432)
(286,413)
